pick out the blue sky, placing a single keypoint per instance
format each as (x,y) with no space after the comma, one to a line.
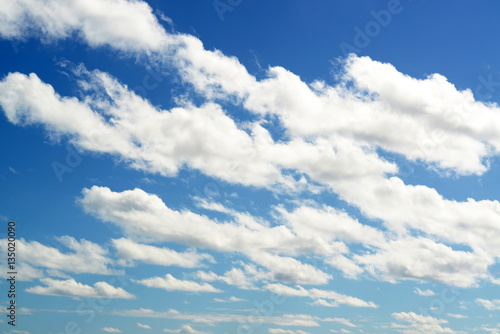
(282,167)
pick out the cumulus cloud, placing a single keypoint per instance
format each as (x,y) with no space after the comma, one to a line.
(332,136)
(111,330)
(331,223)
(170,283)
(432,124)
(471,221)
(83,257)
(142,214)
(124,25)
(242,278)
(422,208)
(423,259)
(346,265)
(158,221)
(440,115)
(283,269)
(288,269)
(203,138)
(72,288)
(197,136)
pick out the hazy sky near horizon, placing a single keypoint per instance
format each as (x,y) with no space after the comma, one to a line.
(237,166)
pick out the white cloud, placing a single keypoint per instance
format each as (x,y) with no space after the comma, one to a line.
(333,134)
(290,270)
(431,124)
(143,326)
(171,283)
(342,321)
(230,299)
(72,288)
(420,324)
(203,138)
(25,272)
(389,260)
(423,259)
(417,318)
(332,224)
(348,267)
(242,218)
(421,208)
(473,222)
(236,299)
(434,118)
(111,330)
(490,329)
(426,293)
(85,257)
(130,250)
(457,316)
(185,329)
(122,24)
(319,296)
(128,208)
(243,279)
(491,305)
